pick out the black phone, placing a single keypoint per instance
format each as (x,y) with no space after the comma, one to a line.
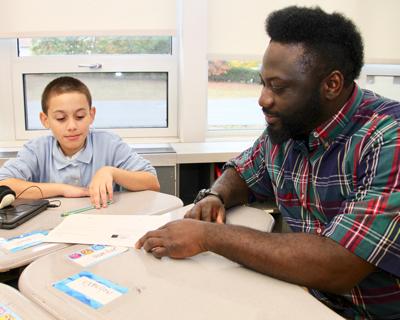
(21,210)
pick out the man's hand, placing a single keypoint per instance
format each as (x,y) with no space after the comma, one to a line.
(208,209)
(101,187)
(177,239)
(70,191)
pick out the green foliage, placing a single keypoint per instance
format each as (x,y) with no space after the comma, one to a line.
(242,75)
(101,45)
(233,71)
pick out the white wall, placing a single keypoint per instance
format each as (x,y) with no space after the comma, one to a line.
(209,29)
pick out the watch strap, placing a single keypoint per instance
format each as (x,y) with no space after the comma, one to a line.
(207,192)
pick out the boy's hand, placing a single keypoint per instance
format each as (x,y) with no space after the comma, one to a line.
(70,191)
(101,187)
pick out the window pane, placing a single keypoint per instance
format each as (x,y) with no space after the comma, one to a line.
(122,99)
(94,45)
(233,91)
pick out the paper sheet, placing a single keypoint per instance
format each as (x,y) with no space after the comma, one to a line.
(114,230)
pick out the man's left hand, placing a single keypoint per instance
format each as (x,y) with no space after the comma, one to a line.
(177,239)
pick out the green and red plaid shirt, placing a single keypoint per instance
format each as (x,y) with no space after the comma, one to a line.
(344,184)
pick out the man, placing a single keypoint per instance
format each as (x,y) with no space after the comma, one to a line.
(330,157)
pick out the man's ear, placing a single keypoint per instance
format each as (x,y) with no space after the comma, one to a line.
(92,114)
(333,85)
(44,120)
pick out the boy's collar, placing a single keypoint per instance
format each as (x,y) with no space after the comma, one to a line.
(85,155)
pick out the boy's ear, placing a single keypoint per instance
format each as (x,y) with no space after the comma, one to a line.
(92,114)
(44,119)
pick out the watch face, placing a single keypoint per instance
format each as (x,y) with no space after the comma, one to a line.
(200,195)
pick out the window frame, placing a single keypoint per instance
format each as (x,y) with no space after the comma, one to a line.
(377,69)
(167,63)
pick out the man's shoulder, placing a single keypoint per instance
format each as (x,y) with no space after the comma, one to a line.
(379,105)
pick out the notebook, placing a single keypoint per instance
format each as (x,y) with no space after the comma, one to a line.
(20,211)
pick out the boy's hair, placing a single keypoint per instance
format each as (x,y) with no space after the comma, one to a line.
(64,85)
(331,39)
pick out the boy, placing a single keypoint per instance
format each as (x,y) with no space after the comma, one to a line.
(75,161)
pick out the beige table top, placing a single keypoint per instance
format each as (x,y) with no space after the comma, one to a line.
(19,305)
(206,286)
(142,202)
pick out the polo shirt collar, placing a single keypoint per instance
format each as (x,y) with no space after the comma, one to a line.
(85,156)
(327,132)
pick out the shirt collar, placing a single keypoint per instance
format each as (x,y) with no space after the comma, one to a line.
(328,131)
(85,156)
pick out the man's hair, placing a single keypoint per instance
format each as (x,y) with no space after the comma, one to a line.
(64,85)
(331,39)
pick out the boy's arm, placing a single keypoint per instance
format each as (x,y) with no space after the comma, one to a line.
(36,190)
(135,180)
(101,186)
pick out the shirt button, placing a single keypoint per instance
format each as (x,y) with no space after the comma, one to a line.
(315,134)
(319,230)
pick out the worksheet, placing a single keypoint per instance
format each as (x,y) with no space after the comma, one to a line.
(101,229)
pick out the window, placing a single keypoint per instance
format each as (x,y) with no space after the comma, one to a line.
(122,99)
(133,81)
(233,92)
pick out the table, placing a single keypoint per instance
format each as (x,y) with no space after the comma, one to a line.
(206,286)
(141,202)
(13,301)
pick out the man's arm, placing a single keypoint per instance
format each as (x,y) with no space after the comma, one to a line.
(304,259)
(36,190)
(232,189)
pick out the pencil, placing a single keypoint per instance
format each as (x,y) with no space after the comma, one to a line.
(68,213)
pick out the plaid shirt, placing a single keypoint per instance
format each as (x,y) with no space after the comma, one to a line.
(344,184)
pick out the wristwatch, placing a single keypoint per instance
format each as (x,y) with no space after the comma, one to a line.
(207,192)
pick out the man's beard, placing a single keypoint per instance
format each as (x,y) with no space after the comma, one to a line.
(298,124)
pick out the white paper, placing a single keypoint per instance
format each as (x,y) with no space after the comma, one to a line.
(113,230)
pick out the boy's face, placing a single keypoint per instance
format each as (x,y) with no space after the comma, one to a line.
(69,117)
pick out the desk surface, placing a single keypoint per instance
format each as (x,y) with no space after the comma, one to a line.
(142,202)
(19,305)
(206,286)
(205,152)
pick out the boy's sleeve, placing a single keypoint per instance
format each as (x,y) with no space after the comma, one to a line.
(22,167)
